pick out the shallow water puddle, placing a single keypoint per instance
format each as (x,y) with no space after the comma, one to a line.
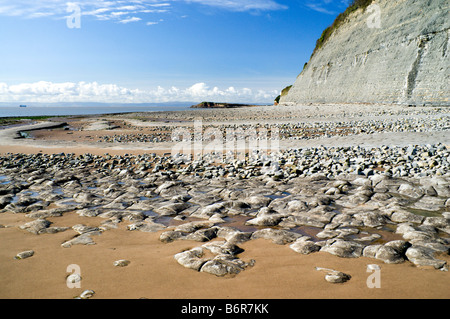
(69,203)
(17,196)
(58,191)
(150,213)
(238,222)
(275,196)
(168,221)
(308,231)
(4,180)
(425,213)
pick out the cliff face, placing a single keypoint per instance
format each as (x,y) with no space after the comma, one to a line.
(391,52)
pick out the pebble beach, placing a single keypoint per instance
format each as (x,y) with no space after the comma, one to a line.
(341,192)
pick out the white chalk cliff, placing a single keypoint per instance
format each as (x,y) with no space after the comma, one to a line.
(394,51)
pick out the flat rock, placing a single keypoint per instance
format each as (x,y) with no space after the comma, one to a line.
(423,256)
(210,210)
(84,239)
(402,216)
(301,220)
(410,191)
(441,223)
(277,236)
(342,248)
(171,209)
(121,263)
(257,201)
(202,235)
(194,226)
(146,226)
(334,276)
(82,229)
(429,203)
(37,226)
(265,220)
(87,294)
(223,265)
(389,255)
(191,259)
(304,246)
(171,235)
(24,254)
(371,219)
(223,248)
(233,235)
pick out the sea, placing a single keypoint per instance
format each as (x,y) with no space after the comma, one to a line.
(84,110)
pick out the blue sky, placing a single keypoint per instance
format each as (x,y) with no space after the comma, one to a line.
(136,51)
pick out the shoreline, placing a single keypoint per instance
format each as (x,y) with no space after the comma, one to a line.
(72,190)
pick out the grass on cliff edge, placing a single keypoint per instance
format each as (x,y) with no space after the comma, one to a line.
(284,92)
(326,34)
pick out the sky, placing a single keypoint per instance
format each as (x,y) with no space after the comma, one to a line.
(155,51)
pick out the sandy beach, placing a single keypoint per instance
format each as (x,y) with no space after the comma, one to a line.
(278,271)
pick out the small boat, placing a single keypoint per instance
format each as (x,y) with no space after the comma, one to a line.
(22,105)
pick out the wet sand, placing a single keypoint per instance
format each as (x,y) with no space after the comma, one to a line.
(279,272)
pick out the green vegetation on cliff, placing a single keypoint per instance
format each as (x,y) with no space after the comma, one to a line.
(326,34)
(284,92)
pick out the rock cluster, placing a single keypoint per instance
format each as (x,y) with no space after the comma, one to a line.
(341,201)
(293,130)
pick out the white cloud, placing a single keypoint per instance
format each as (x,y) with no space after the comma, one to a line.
(44,91)
(331,7)
(241,5)
(115,9)
(128,20)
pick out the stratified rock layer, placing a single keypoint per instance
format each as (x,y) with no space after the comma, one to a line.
(391,52)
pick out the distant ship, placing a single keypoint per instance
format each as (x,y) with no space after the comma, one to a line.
(23,106)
